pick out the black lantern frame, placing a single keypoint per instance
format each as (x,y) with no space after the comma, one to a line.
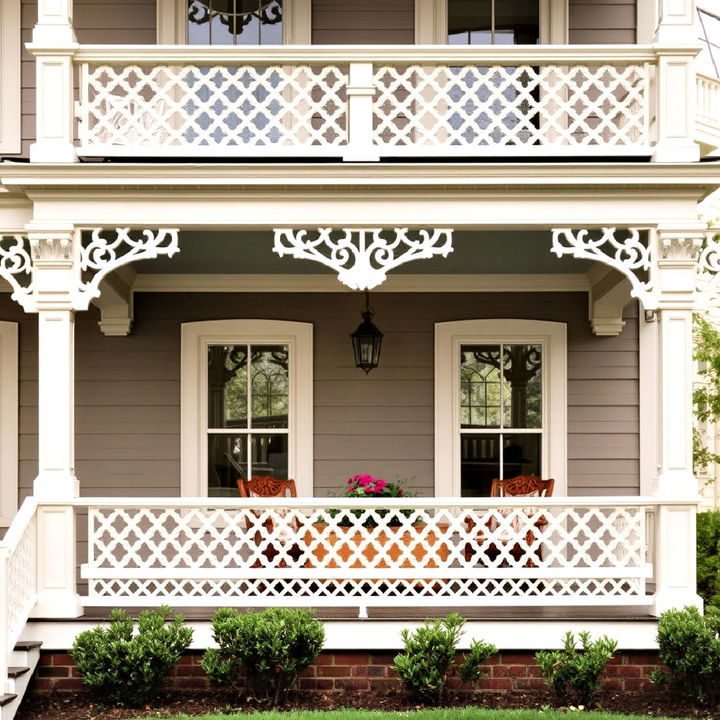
(367,340)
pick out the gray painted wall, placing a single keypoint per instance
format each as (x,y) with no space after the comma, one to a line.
(600,22)
(128,388)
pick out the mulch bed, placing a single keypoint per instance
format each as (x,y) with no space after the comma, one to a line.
(79,706)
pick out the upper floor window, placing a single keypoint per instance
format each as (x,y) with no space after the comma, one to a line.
(493,22)
(235,22)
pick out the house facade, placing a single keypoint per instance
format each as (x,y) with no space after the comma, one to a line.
(195,198)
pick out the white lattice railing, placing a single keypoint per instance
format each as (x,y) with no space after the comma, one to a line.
(423,551)
(708,110)
(18,588)
(364,103)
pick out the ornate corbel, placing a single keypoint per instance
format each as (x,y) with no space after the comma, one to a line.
(362,256)
(629,255)
(16,267)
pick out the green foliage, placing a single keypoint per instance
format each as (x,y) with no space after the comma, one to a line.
(273,646)
(708,557)
(690,647)
(122,666)
(430,654)
(706,397)
(572,673)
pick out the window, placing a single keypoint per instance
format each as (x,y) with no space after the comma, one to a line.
(235,22)
(500,403)
(8,422)
(493,22)
(246,404)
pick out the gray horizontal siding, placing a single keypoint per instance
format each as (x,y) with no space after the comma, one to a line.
(598,22)
(128,389)
(373,22)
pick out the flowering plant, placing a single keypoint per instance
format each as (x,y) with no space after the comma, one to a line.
(369,486)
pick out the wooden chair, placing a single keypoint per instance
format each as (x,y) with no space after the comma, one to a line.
(268,486)
(520,486)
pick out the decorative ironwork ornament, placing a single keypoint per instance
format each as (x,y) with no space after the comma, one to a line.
(362,256)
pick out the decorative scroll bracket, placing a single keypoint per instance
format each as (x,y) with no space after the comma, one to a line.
(362,262)
(630,256)
(51,269)
(708,277)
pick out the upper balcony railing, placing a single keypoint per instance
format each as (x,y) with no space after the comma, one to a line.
(361,103)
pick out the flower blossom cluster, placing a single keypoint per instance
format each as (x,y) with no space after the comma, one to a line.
(367,485)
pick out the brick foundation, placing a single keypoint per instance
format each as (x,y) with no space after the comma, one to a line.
(364,671)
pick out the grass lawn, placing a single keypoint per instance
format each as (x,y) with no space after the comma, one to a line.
(437,714)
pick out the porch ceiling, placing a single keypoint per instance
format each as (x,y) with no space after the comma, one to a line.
(489,252)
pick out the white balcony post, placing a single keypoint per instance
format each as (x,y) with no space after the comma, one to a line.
(676,270)
(676,22)
(360,93)
(55,271)
(54,43)
(675,110)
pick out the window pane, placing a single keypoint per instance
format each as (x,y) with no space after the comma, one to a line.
(227,460)
(227,386)
(479,463)
(522,386)
(521,455)
(517,22)
(269,455)
(469,22)
(480,386)
(270,386)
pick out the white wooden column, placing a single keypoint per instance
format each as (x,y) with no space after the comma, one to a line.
(676,22)
(55,272)
(676,274)
(360,93)
(54,42)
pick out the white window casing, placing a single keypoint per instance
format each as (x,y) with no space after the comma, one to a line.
(196,338)
(449,336)
(8,422)
(431,22)
(10,136)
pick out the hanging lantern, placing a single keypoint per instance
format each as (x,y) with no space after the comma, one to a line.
(367,340)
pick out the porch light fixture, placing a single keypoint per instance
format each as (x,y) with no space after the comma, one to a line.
(367,340)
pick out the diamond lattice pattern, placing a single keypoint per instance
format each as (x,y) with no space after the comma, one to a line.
(522,105)
(300,554)
(202,105)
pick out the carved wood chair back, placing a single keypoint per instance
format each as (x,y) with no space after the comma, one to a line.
(522,486)
(266,486)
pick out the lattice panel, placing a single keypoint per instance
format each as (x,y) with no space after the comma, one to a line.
(520,105)
(358,551)
(196,105)
(20,592)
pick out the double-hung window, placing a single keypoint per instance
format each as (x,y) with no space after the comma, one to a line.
(500,403)
(246,404)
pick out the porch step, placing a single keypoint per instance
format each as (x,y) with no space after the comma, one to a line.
(25,658)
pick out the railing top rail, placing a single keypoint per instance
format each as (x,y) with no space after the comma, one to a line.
(19,524)
(420,503)
(402,54)
(708,78)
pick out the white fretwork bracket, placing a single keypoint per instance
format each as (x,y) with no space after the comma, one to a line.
(629,256)
(51,268)
(362,256)
(708,278)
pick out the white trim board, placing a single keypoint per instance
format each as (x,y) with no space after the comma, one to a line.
(329,283)
(10,77)
(385,634)
(8,422)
